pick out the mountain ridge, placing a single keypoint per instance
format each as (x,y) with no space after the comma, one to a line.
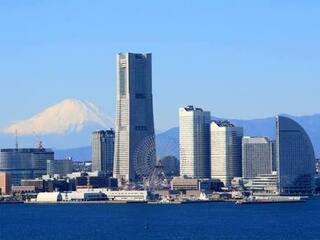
(67,127)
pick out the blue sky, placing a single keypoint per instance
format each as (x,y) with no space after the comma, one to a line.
(239,59)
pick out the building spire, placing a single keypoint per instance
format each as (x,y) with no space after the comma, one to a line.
(17,145)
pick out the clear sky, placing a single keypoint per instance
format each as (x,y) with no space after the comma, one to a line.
(239,59)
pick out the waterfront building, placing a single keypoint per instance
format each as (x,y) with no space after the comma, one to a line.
(190,184)
(46,184)
(226,157)
(256,156)
(263,184)
(295,158)
(98,194)
(5,186)
(92,180)
(135,154)
(24,163)
(84,195)
(102,145)
(194,139)
(22,189)
(181,183)
(38,184)
(46,197)
(123,195)
(61,167)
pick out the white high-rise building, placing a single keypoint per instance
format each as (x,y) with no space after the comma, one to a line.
(256,156)
(194,138)
(225,151)
(135,152)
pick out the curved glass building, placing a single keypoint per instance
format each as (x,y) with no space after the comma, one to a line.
(295,158)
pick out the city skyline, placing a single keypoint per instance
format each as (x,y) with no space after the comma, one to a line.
(159,119)
(246,59)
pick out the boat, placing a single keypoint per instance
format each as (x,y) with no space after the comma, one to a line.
(271,199)
(203,197)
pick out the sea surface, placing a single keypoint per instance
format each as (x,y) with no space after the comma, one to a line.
(142,221)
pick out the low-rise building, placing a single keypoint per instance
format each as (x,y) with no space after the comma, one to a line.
(5,186)
(122,195)
(49,197)
(37,183)
(99,194)
(84,195)
(23,189)
(181,183)
(263,184)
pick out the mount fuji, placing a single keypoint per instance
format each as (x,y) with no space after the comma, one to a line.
(67,124)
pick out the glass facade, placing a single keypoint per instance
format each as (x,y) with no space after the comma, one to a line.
(24,163)
(256,156)
(295,158)
(102,144)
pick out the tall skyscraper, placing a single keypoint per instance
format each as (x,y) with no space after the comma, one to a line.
(226,158)
(194,141)
(256,156)
(295,158)
(102,144)
(274,156)
(135,154)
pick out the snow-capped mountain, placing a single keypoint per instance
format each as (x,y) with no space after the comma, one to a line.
(66,124)
(70,115)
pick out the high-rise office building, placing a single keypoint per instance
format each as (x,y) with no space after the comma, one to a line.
(256,156)
(194,138)
(295,158)
(24,163)
(102,145)
(135,154)
(274,156)
(226,158)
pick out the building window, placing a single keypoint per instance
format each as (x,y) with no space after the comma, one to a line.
(140,95)
(141,128)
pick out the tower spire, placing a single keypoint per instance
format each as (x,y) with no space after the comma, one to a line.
(17,145)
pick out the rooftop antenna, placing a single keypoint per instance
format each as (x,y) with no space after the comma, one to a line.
(17,145)
(40,145)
